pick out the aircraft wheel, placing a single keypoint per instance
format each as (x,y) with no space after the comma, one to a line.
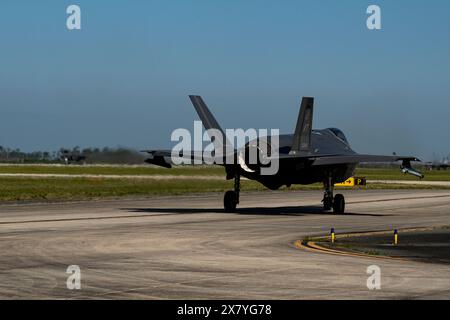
(339,204)
(230,201)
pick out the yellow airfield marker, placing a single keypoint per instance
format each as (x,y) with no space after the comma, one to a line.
(352,182)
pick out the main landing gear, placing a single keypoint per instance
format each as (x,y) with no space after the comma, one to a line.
(231,198)
(337,202)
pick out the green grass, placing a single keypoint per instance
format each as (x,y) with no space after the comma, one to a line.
(20,189)
(112,170)
(77,188)
(396,174)
(369,173)
(17,189)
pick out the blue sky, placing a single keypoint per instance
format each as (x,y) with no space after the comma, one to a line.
(124,78)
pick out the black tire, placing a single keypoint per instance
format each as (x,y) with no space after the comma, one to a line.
(339,204)
(230,201)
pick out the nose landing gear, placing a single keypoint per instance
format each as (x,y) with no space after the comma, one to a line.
(337,202)
(231,198)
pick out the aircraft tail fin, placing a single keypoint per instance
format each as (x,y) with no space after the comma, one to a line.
(205,115)
(207,118)
(302,134)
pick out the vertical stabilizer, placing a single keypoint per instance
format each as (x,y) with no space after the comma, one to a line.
(302,133)
(208,120)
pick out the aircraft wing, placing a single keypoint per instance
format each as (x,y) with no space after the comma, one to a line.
(163,158)
(324,160)
(357,158)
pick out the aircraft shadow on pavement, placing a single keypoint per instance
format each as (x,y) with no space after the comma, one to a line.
(281,211)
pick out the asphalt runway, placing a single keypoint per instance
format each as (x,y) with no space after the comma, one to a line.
(186,247)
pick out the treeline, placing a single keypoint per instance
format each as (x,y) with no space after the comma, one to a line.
(75,155)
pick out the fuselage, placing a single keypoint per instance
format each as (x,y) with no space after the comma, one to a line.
(329,141)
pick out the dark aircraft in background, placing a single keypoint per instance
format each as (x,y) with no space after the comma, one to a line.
(69,157)
(438,165)
(307,156)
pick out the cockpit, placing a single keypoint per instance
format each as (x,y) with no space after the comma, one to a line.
(338,133)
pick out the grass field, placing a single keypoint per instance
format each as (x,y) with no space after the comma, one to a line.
(396,174)
(369,173)
(77,188)
(111,170)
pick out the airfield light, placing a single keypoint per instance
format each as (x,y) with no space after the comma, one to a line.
(332,235)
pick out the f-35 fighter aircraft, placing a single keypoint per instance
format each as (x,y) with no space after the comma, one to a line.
(438,165)
(307,156)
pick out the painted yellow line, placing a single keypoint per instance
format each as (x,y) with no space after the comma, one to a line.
(312,246)
(374,233)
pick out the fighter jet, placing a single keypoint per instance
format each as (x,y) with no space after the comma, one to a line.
(70,157)
(438,165)
(305,157)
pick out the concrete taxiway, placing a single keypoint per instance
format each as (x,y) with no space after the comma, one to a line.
(186,247)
